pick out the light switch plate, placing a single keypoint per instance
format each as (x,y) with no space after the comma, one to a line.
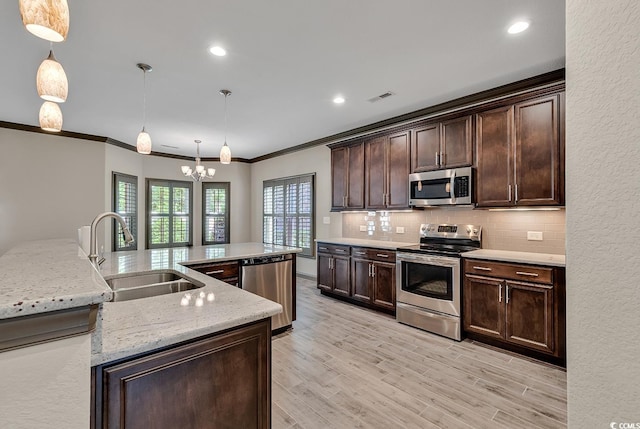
(399,229)
(534,235)
(326,220)
(363,228)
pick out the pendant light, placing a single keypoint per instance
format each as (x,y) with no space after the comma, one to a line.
(51,80)
(199,172)
(50,117)
(143,144)
(47,19)
(225,152)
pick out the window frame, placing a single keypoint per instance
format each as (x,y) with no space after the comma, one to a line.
(127,178)
(171,184)
(285,181)
(216,185)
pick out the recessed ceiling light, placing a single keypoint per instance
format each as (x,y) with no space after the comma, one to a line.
(338,100)
(518,27)
(218,51)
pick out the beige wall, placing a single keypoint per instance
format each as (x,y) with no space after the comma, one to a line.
(603,191)
(47,385)
(49,186)
(504,230)
(315,160)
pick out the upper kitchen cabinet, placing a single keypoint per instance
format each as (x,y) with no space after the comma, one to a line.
(520,154)
(445,144)
(386,171)
(347,177)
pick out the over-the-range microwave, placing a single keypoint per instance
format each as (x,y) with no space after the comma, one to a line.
(441,187)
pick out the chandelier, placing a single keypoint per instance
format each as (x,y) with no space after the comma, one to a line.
(199,172)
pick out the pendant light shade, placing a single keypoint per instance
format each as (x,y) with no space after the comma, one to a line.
(51,80)
(50,117)
(225,151)
(47,19)
(143,144)
(225,154)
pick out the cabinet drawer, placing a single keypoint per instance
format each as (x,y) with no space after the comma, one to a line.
(220,270)
(334,249)
(534,274)
(374,254)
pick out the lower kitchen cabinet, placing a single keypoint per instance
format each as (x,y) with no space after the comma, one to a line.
(220,381)
(226,271)
(366,277)
(521,307)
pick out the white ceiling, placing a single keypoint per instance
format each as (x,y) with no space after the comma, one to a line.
(286,61)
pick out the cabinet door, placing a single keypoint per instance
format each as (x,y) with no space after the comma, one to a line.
(355,177)
(384,285)
(483,306)
(530,315)
(219,382)
(457,148)
(342,280)
(361,279)
(494,140)
(425,148)
(537,152)
(376,185)
(325,271)
(398,170)
(339,157)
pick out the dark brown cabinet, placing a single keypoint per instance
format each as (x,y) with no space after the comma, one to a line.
(333,269)
(347,177)
(220,381)
(520,154)
(446,144)
(226,271)
(387,162)
(367,277)
(515,305)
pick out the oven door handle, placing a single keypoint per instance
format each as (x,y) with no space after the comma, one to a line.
(441,261)
(452,190)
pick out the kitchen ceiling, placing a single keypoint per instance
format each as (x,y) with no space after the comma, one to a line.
(286,61)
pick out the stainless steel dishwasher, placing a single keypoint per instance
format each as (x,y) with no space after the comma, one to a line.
(271,278)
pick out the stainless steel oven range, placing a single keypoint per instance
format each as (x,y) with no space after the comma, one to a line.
(428,278)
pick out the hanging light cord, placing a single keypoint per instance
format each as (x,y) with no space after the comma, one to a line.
(225,118)
(144,98)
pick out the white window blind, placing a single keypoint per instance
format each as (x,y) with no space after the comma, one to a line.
(215,213)
(288,212)
(125,203)
(169,213)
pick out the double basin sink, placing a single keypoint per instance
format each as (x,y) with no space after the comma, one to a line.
(145,285)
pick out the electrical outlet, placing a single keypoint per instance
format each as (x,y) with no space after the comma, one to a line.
(363,228)
(326,220)
(534,235)
(399,229)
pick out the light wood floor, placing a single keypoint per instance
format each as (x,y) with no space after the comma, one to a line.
(347,367)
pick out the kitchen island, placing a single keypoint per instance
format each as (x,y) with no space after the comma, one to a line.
(205,349)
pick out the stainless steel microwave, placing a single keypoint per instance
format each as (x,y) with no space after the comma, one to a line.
(441,187)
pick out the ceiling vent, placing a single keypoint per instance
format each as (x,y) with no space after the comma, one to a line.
(381,97)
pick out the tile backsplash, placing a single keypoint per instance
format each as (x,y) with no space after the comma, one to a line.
(503,230)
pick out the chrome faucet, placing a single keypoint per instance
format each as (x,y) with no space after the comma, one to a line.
(93,246)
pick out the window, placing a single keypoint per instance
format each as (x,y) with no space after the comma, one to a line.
(169,213)
(288,212)
(215,213)
(125,203)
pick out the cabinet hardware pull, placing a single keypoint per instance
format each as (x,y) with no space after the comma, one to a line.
(369,270)
(330,264)
(437,159)
(360,253)
(373,270)
(500,293)
(516,192)
(442,158)
(340,250)
(382,255)
(507,294)
(522,273)
(509,193)
(482,268)
(322,248)
(214,272)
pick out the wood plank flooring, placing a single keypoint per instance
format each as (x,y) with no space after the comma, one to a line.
(347,367)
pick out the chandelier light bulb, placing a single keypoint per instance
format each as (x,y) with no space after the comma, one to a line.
(143,144)
(50,117)
(199,169)
(51,80)
(47,19)
(211,172)
(185,168)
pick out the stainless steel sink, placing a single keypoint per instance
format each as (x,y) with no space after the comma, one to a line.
(145,285)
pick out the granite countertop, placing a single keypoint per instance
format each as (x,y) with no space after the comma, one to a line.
(48,275)
(378,244)
(521,257)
